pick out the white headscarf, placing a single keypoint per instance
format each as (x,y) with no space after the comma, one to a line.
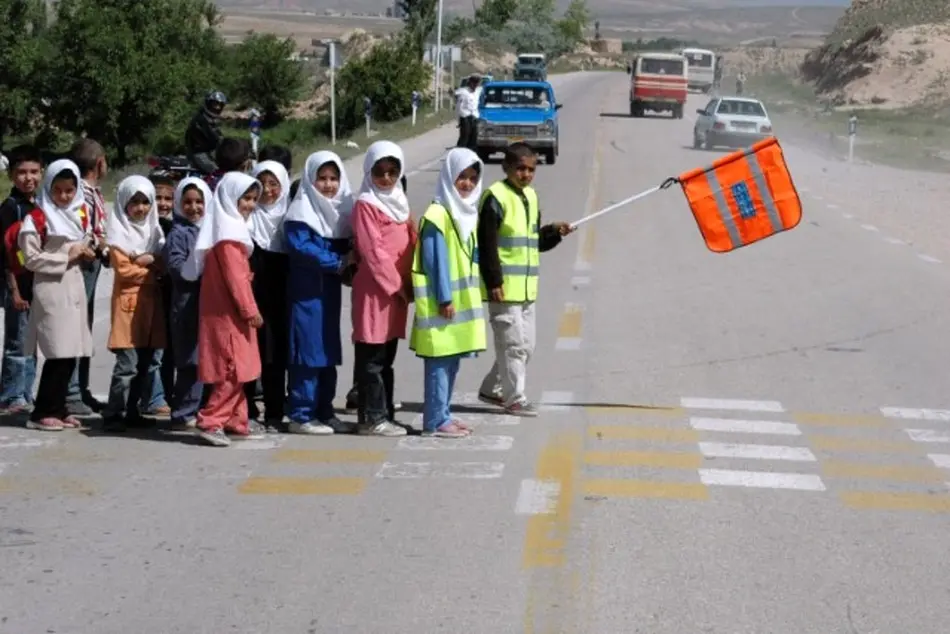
(266,221)
(329,217)
(134,237)
(64,222)
(464,211)
(206,196)
(223,222)
(391,202)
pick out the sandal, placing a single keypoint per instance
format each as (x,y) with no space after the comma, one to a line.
(71,422)
(461,425)
(451,430)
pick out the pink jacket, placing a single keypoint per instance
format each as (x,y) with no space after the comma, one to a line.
(227,345)
(382,289)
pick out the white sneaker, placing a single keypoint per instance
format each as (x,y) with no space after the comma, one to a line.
(387,429)
(311,429)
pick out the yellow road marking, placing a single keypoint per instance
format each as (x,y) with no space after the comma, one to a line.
(647,489)
(546,535)
(361,456)
(571,319)
(667,460)
(838,420)
(879,501)
(632,432)
(840,443)
(855,470)
(589,245)
(46,486)
(302,486)
(633,408)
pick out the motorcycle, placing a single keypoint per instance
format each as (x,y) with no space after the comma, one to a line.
(177,167)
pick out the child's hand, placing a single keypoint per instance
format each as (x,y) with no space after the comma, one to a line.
(498,294)
(145,259)
(20,304)
(447,310)
(256,321)
(80,251)
(563,228)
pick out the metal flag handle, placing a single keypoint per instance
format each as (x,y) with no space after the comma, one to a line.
(626,201)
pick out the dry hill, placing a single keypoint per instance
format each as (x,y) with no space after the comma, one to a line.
(885,54)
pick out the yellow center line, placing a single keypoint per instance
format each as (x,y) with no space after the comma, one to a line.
(306,456)
(633,432)
(841,443)
(302,486)
(571,321)
(839,420)
(662,459)
(856,470)
(879,501)
(647,489)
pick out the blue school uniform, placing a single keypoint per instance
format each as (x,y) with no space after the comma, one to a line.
(440,372)
(315,296)
(183,312)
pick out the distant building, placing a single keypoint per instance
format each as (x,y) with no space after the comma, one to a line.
(398,13)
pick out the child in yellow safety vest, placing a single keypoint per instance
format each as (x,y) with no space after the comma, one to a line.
(510,237)
(449,324)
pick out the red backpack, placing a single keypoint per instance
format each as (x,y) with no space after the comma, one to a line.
(16,260)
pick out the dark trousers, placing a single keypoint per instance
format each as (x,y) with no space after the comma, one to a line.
(311,393)
(79,382)
(468,132)
(51,394)
(375,380)
(189,394)
(270,292)
(131,378)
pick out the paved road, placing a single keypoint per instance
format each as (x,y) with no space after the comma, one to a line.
(743,443)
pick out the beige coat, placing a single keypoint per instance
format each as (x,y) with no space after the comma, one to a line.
(59,327)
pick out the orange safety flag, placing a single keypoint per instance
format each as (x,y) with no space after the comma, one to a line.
(743,197)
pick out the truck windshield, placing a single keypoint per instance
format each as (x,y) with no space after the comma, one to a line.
(530,60)
(654,66)
(700,60)
(516,97)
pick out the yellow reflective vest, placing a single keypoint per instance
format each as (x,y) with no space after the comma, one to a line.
(432,334)
(517,243)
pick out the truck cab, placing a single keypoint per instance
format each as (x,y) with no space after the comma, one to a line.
(658,82)
(531,67)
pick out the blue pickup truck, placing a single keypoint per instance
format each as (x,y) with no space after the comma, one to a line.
(512,111)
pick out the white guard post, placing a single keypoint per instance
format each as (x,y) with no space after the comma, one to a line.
(852,132)
(368,113)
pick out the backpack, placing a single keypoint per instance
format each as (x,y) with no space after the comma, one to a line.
(15,259)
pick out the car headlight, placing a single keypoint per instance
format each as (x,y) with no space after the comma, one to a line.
(547,127)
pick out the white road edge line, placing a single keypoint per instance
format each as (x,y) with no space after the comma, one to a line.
(940,460)
(894,241)
(848,216)
(456,470)
(537,497)
(928,258)
(744,426)
(928,435)
(832,206)
(580,280)
(761,480)
(869,228)
(756,452)
(731,404)
(469,443)
(915,413)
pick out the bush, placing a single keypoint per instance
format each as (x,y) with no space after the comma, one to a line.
(387,75)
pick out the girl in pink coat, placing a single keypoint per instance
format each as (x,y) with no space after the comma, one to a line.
(384,239)
(228,316)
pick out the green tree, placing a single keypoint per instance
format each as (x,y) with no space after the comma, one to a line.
(420,17)
(124,68)
(265,75)
(495,14)
(387,75)
(574,21)
(22,23)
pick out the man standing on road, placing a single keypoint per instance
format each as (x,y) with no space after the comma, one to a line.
(467,110)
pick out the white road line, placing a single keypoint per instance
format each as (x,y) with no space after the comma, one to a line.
(556,401)
(23,442)
(731,404)
(940,460)
(848,216)
(756,452)
(745,426)
(567,343)
(927,435)
(463,470)
(869,228)
(537,497)
(580,280)
(470,443)
(580,265)
(894,241)
(6,465)
(832,206)
(929,258)
(262,444)
(817,197)
(761,480)
(478,420)
(915,413)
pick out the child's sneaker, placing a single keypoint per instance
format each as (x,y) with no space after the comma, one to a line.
(214,437)
(15,408)
(386,428)
(313,428)
(275,426)
(522,408)
(183,424)
(253,431)
(352,405)
(338,426)
(45,424)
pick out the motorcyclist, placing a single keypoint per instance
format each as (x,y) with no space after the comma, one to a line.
(204,133)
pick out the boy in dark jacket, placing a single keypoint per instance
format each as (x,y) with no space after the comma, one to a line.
(18,371)
(165,201)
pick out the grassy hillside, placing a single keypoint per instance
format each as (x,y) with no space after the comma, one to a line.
(862,15)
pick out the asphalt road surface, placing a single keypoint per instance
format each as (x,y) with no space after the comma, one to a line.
(742,443)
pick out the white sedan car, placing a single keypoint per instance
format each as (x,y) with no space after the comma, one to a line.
(735,122)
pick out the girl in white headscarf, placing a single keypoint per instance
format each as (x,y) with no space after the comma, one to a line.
(384,239)
(193,200)
(135,238)
(269,265)
(448,324)
(317,233)
(228,316)
(53,240)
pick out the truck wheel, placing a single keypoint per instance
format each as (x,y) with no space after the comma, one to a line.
(633,109)
(550,157)
(678,111)
(483,154)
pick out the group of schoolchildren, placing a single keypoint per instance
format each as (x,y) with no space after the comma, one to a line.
(220,286)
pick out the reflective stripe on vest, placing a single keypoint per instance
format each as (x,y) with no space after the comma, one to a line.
(743,197)
(517,243)
(432,334)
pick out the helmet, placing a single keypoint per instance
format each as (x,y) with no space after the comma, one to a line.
(215,101)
